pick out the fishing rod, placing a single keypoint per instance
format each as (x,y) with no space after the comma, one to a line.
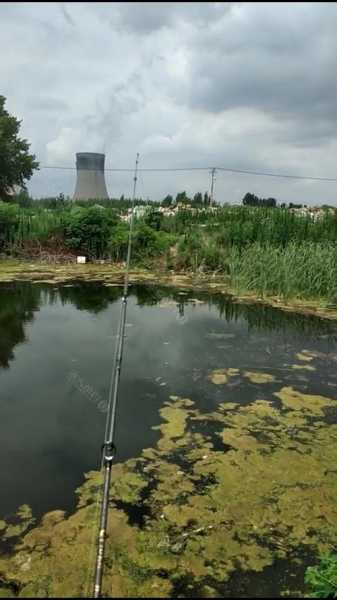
(108,448)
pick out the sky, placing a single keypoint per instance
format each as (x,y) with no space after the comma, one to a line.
(240,85)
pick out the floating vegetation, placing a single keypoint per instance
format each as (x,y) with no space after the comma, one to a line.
(304,356)
(306,403)
(269,495)
(256,377)
(303,367)
(222,376)
(313,354)
(21,521)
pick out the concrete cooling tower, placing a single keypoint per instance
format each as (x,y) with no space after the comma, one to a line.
(90,182)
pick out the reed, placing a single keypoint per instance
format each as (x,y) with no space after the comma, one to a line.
(300,270)
(268,251)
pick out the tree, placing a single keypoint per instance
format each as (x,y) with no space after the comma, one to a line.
(269,202)
(153,218)
(16,164)
(252,200)
(197,198)
(168,200)
(182,197)
(23,199)
(207,199)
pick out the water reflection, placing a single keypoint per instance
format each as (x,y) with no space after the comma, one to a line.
(20,301)
(59,341)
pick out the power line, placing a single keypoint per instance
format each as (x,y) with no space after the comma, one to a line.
(131,170)
(225,169)
(277,175)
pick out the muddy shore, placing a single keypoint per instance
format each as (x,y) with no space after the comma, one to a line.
(109,274)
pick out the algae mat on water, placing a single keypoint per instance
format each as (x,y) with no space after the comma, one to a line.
(196,508)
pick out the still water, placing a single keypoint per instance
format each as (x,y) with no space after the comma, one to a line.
(56,351)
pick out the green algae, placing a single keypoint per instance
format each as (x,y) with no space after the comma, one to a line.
(22,520)
(211,512)
(175,416)
(308,403)
(304,356)
(222,376)
(257,377)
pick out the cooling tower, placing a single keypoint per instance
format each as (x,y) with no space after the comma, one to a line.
(90,182)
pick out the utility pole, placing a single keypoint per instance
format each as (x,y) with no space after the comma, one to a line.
(213,172)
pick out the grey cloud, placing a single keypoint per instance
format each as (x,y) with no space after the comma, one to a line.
(66,14)
(147,17)
(273,61)
(244,85)
(46,104)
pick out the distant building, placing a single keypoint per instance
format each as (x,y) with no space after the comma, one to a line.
(90,182)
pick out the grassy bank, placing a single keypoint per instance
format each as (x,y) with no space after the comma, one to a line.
(263,252)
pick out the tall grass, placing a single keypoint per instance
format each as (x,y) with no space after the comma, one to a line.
(242,226)
(268,251)
(305,270)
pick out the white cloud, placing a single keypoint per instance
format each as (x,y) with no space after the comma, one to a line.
(242,85)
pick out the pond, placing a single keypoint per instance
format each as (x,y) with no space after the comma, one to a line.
(225,479)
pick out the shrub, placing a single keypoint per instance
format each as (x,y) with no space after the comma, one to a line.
(322,579)
(9,224)
(89,230)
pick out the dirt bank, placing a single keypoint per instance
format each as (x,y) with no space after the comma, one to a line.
(109,274)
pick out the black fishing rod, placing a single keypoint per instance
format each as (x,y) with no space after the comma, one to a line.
(108,448)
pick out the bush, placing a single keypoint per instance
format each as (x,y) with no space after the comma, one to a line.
(189,251)
(9,224)
(154,219)
(118,242)
(88,230)
(146,242)
(323,579)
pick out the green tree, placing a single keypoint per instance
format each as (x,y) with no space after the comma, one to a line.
(197,199)
(16,164)
(23,199)
(118,243)
(207,199)
(89,230)
(182,197)
(168,200)
(250,200)
(153,218)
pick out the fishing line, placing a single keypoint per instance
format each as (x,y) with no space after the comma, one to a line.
(108,449)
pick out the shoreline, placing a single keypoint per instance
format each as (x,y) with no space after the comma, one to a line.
(107,274)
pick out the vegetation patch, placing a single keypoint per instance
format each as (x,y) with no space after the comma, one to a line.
(210,512)
(304,356)
(307,403)
(256,377)
(222,376)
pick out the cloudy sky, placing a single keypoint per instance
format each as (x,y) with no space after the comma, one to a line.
(249,86)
